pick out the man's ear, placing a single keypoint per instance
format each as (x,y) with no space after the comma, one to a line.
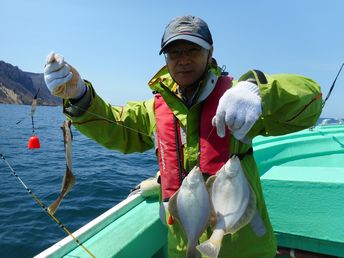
(210,55)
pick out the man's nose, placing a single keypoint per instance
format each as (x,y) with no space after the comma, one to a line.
(184,58)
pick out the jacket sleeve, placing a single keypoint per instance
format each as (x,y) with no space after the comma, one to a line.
(127,129)
(289,103)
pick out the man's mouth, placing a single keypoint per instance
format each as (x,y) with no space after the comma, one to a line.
(184,72)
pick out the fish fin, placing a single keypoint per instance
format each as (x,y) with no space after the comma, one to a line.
(54,206)
(209,249)
(257,224)
(209,185)
(68,181)
(67,184)
(212,219)
(172,206)
(69,123)
(71,184)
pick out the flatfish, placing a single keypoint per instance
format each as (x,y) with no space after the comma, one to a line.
(190,205)
(233,204)
(68,179)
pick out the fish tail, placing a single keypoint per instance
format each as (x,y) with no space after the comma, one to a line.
(208,249)
(53,207)
(211,247)
(192,252)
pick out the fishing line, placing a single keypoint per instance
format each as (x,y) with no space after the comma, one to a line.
(120,123)
(33,107)
(334,82)
(134,130)
(108,120)
(45,208)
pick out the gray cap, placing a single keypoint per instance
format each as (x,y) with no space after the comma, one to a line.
(189,28)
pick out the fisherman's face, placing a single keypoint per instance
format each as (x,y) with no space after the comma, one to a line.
(187,62)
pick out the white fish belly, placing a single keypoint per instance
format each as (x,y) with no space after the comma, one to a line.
(193,206)
(193,210)
(230,196)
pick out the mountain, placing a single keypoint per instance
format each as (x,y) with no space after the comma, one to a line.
(19,87)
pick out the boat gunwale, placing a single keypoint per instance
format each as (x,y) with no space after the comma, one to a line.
(67,244)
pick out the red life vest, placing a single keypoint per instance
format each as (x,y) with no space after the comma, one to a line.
(214,151)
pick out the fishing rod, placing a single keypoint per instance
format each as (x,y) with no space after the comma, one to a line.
(45,208)
(330,91)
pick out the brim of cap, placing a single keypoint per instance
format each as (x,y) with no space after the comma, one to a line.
(199,41)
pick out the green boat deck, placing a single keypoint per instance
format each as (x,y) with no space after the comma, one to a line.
(302,177)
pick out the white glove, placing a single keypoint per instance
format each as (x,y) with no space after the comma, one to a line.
(148,188)
(62,79)
(238,109)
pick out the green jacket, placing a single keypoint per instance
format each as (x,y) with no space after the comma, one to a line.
(289,103)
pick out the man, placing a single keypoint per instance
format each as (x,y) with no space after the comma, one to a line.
(192,95)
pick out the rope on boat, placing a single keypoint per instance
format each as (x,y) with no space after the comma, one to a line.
(45,208)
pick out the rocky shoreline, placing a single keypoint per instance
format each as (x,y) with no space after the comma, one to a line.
(19,87)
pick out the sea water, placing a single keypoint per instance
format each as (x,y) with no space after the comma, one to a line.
(103,178)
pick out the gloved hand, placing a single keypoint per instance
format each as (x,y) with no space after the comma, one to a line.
(62,79)
(148,187)
(238,109)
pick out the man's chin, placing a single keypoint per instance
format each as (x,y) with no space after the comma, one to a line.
(187,84)
(185,81)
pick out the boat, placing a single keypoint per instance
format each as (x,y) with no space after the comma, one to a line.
(302,176)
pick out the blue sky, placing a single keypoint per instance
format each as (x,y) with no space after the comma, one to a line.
(115,44)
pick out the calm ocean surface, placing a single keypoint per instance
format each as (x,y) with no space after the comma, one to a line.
(104,178)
